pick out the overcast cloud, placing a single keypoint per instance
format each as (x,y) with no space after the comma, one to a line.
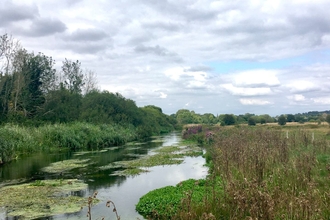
(247,56)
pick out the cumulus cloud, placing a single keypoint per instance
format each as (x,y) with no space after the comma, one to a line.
(297,97)
(298,86)
(322,100)
(254,102)
(158,52)
(256,78)
(46,26)
(10,12)
(188,79)
(242,91)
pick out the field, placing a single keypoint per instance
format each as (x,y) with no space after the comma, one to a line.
(263,172)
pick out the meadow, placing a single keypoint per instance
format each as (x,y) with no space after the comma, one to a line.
(256,172)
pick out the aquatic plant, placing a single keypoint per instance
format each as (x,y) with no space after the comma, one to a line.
(165,202)
(42,198)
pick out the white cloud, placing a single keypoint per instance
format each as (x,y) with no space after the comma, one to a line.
(159,52)
(188,79)
(254,102)
(257,78)
(322,100)
(162,95)
(302,86)
(297,97)
(241,91)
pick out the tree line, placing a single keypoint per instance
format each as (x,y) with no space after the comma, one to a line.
(185,116)
(33,91)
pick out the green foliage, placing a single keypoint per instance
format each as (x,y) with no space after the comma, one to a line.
(252,121)
(163,203)
(327,119)
(290,118)
(282,120)
(74,78)
(229,119)
(15,140)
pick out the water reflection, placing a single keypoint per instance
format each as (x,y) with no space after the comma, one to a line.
(123,191)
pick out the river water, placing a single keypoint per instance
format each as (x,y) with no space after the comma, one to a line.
(123,191)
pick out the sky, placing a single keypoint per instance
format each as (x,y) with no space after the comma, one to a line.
(238,56)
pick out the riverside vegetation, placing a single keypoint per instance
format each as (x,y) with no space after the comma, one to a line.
(259,172)
(255,172)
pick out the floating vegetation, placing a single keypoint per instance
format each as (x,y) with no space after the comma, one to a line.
(134,155)
(158,141)
(135,143)
(110,166)
(65,165)
(112,148)
(153,160)
(168,155)
(129,172)
(168,149)
(42,198)
(133,148)
(81,153)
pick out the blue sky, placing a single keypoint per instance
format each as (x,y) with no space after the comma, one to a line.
(210,56)
(313,57)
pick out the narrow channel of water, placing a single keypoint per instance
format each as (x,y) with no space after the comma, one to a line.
(123,191)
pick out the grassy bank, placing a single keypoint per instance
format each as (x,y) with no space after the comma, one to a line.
(264,173)
(16,140)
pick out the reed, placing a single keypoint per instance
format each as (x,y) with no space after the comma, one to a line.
(16,140)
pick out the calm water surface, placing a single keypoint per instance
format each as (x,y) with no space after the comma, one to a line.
(123,191)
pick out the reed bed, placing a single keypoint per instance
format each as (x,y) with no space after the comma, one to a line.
(16,140)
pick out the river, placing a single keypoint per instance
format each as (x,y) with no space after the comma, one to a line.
(123,191)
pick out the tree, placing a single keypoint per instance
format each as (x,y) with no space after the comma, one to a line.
(327,119)
(290,118)
(282,120)
(184,116)
(33,77)
(73,76)
(229,119)
(252,121)
(90,82)
(262,120)
(8,49)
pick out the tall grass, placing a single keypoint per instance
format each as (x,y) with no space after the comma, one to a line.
(262,174)
(15,140)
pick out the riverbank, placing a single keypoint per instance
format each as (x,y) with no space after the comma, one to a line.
(111,182)
(17,140)
(259,173)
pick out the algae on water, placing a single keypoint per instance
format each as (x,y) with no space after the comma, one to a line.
(42,198)
(65,165)
(168,155)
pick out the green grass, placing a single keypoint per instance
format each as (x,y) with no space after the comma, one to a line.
(16,140)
